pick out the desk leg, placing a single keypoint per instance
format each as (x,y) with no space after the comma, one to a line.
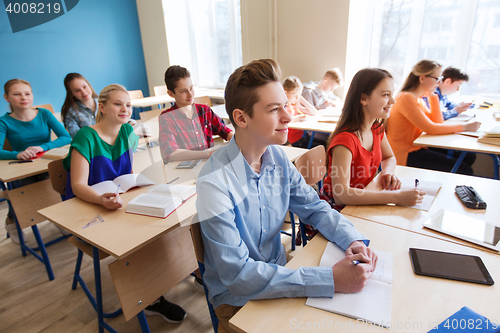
(458,162)
(143,322)
(98,289)
(98,294)
(311,140)
(43,252)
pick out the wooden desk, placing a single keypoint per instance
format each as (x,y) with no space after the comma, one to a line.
(151,101)
(152,254)
(412,219)
(418,303)
(465,143)
(26,200)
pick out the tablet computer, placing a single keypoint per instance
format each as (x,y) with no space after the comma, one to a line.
(464,227)
(188,164)
(453,266)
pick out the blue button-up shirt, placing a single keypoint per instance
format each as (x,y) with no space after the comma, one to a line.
(447,106)
(242,213)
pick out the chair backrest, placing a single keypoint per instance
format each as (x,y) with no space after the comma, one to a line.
(45,106)
(312,165)
(160,90)
(6,145)
(197,240)
(135,94)
(203,100)
(58,176)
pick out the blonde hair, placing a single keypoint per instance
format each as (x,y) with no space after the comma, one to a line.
(12,82)
(336,75)
(104,97)
(421,68)
(291,83)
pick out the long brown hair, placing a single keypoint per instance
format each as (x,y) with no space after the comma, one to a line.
(423,67)
(70,100)
(352,117)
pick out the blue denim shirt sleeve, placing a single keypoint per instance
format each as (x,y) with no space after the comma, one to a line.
(241,218)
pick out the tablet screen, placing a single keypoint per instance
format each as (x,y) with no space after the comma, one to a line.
(450,266)
(465,227)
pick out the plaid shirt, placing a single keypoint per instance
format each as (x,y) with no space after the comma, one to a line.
(177,131)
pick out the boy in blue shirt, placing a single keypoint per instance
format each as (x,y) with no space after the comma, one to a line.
(452,79)
(244,192)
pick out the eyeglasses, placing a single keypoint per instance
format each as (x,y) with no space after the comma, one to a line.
(438,79)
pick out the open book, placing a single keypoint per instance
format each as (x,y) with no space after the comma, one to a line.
(126,182)
(161,200)
(373,303)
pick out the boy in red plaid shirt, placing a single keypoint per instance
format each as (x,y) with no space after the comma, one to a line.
(186,129)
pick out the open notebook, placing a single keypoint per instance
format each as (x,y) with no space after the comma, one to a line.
(373,303)
(431,189)
(161,200)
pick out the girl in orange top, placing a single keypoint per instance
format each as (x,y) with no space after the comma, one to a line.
(298,107)
(410,117)
(358,147)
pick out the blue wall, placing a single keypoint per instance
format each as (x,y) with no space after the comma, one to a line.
(99,39)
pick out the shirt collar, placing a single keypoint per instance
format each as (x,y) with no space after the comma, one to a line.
(240,166)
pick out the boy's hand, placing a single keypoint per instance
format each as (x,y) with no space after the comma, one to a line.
(358,247)
(463,107)
(350,278)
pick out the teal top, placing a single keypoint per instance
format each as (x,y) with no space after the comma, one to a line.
(24,134)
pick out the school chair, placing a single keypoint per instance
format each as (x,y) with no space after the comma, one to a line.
(203,100)
(136,94)
(58,176)
(161,91)
(49,107)
(312,166)
(200,252)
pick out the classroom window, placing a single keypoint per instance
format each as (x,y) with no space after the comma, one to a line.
(396,34)
(205,37)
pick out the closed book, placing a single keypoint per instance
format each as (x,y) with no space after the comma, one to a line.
(161,200)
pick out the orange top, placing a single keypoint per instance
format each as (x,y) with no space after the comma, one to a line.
(410,117)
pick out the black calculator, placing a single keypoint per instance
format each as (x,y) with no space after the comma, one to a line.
(188,164)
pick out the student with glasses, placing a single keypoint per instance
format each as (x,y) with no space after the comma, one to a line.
(410,116)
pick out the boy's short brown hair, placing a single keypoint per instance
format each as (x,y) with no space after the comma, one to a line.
(336,75)
(241,86)
(455,74)
(173,74)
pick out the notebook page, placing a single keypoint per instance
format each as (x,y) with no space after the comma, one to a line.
(373,303)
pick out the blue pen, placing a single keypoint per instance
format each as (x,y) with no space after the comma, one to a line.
(117,189)
(355,262)
(416,183)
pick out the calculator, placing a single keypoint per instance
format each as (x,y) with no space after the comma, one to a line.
(188,164)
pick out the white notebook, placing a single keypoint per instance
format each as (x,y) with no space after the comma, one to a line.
(431,190)
(373,303)
(161,200)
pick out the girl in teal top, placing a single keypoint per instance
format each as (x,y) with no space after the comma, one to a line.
(27,129)
(28,132)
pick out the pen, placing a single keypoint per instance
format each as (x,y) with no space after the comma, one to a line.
(173,180)
(355,262)
(20,161)
(490,104)
(416,183)
(117,189)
